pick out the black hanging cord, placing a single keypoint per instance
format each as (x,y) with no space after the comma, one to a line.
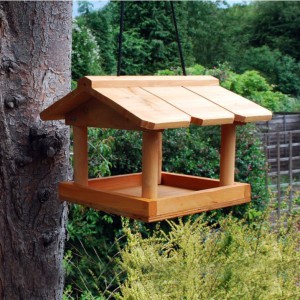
(178,39)
(120,37)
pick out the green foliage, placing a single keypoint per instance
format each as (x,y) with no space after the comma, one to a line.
(258,36)
(100,152)
(195,260)
(85,52)
(282,71)
(149,38)
(249,82)
(100,24)
(89,259)
(252,85)
(276,25)
(205,30)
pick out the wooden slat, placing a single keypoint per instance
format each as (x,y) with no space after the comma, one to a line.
(193,183)
(140,106)
(58,109)
(244,109)
(135,81)
(201,110)
(201,201)
(116,182)
(204,200)
(111,202)
(95,113)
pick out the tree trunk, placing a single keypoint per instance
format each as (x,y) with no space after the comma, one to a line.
(35,46)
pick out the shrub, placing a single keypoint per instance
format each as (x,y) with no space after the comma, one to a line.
(85,52)
(281,70)
(195,260)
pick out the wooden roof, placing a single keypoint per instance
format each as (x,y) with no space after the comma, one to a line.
(153,103)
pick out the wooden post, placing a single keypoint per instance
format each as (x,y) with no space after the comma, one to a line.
(159,157)
(150,168)
(80,155)
(227,163)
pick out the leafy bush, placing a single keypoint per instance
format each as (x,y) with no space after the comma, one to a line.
(252,85)
(85,52)
(231,260)
(283,71)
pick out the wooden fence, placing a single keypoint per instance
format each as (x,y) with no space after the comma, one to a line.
(281,143)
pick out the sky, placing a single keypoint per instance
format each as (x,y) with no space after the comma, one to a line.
(100,3)
(97,4)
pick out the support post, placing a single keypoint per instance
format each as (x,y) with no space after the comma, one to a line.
(227,163)
(150,164)
(160,154)
(80,148)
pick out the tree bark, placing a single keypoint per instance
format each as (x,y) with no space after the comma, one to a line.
(35,47)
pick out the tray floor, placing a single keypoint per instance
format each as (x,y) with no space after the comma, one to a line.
(162,191)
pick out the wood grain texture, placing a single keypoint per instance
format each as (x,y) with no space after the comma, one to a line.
(150,163)
(95,113)
(153,103)
(227,160)
(112,202)
(58,110)
(80,147)
(116,182)
(120,195)
(160,157)
(138,81)
(149,111)
(208,199)
(202,111)
(193,183)
(243,109)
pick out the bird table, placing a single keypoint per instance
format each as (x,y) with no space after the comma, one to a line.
(151,104)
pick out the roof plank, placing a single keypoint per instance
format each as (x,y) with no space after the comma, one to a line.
(57,110)
(154,103)
(145,81)
(135,104)
(243,109)
(202,111)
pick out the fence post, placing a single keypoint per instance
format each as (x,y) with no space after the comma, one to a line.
(290,170)
(278,176)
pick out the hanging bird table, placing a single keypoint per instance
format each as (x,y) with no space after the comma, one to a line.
(151,104)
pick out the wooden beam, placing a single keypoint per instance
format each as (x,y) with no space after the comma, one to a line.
(150,161)
(227,163)
(135,81)
(80,148)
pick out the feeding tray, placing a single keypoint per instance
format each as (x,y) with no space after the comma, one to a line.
(152,104)
(177,195)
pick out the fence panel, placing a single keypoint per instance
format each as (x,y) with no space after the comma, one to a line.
(281,142)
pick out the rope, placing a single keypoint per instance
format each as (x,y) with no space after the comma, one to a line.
(122,9)
(178,39)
